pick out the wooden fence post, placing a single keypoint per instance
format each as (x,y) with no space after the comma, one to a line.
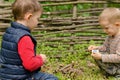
(74,11)
(105,5)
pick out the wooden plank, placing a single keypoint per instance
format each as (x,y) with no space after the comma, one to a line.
(4,25)
(1,33)
(5,5)
(72,38)
(2,11)
(64,27)
(68,18)
(64,3)
(75,2)
(6,19)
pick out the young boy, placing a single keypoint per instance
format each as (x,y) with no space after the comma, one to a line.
(108,56)
(18,57)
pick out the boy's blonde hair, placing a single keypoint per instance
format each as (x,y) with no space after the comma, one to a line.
(21,7)
(110,14)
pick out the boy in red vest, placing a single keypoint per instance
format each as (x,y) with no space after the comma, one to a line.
(18,57)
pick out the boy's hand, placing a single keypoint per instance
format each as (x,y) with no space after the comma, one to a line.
(91,47)
(97,56)
(44,57)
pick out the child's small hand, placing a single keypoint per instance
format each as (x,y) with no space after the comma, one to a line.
(97,56)
(91,47)
(44,57)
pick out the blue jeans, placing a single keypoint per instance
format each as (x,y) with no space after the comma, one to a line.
(42,76)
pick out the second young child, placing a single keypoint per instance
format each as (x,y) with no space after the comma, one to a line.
(108,57)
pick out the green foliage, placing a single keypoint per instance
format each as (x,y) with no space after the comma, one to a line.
(80,55)
(84,6)
(114,5)
(63,35)
(9,0)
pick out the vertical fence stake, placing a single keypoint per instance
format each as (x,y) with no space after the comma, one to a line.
(74,11)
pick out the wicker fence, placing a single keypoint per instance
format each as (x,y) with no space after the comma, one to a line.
(64,26)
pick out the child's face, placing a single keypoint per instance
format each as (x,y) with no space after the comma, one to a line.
(34,20)
(109,28)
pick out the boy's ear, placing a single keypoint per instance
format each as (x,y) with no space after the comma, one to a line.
(117,24)
(27,16)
